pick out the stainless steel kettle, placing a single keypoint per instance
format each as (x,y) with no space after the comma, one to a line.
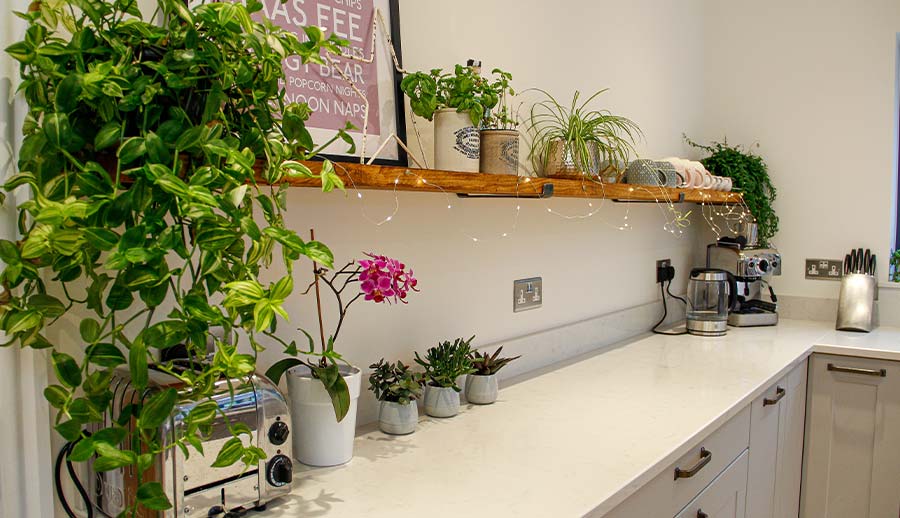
(711,294)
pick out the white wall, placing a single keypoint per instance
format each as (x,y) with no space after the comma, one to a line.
(588,267)
(814,83)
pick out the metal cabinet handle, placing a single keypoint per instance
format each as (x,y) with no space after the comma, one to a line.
(701,514)
(705,457)
(779,393)
(882,373)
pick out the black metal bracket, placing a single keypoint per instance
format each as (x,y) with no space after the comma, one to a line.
(680,199)
(546,192)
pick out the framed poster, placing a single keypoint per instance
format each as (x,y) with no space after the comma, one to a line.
(332,99)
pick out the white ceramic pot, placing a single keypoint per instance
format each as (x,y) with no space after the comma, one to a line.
(441,401)
(398,419)
(499,151)
(318,438)
(482,390)
(457,143)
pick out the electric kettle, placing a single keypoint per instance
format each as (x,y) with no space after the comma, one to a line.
(711,294)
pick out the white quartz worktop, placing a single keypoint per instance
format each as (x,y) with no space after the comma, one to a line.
(575,440)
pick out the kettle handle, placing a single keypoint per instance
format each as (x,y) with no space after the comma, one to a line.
(732,292)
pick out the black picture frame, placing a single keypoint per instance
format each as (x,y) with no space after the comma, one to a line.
(402,159)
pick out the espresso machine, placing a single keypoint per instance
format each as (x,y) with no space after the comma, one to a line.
(752,267)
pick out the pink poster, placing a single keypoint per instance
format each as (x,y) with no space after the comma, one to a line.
(332,99)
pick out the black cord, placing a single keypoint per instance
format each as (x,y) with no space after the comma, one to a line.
(63,454)
(663,289)
(669,291)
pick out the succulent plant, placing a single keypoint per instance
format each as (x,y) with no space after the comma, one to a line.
(446,362)
(395,382)
(486,364)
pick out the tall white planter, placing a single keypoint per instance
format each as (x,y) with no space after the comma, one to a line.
(318,438)
(441,401)
(457,142)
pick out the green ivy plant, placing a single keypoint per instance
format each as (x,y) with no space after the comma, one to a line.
(446,362)
(750,175)
(464,90)
(895,266)
(147,151)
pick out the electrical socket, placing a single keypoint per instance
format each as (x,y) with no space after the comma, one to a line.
(527,294)
(662,266)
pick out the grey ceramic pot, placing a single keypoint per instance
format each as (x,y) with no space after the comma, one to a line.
(482,390)
(441,401)
(398,419)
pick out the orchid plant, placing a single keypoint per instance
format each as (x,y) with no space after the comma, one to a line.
(381,279)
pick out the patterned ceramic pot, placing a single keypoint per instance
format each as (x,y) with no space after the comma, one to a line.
(457,143)
(499,151)
(441,401)
(398,419)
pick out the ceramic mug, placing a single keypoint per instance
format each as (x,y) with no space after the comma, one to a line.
(719,184)
(728,184)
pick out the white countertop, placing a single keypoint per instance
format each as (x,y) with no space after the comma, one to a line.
(574,440)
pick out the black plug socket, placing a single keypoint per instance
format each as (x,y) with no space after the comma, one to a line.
(664,271)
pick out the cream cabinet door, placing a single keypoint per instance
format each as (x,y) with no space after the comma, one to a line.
(852,451)
(776,448)
(725,497)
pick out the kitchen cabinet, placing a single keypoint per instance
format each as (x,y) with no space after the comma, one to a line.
(725,497)
(681,483)
(776,447)
(852,450)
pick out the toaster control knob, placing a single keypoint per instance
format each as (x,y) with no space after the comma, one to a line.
(279,471)
(763,265)
(278,432)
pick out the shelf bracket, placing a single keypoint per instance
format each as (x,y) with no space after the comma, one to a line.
(680,199)
(546,192)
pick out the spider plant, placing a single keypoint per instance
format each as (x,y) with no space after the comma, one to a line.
(578,138)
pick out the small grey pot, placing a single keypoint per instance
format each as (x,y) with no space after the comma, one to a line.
(398,419)
(482,390)
(441,401)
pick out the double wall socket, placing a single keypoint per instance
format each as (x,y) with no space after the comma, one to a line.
(824,269)
(527,294)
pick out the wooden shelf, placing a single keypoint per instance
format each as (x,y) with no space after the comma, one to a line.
(389,178)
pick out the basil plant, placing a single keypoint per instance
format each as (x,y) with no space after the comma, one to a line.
(152,165)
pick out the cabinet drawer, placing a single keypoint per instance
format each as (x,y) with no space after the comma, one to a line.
(665,495)
(725,498)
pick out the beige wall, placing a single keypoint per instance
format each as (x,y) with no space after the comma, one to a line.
(814,82)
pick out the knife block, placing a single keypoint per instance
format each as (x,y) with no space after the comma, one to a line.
(856,305)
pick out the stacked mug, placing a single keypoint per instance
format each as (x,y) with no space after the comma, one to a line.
(692,175)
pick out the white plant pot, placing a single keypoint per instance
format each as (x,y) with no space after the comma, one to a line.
(318,438)
(482,390)
(441,401)
(398,419)
(456,141)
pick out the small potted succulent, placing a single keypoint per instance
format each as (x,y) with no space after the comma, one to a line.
(443,365)
(457,102)
(481,384)
(499,135)
(397,388)
(324,393)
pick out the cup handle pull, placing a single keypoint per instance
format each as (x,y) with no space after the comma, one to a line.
(779,393)
(705,457)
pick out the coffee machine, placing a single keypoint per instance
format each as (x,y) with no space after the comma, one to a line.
(752,267)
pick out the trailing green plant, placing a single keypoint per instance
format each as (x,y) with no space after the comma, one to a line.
(580,129)
(750,175)
(446,362)
(463,90)
(485,364)
(395,382)
(895,266)
(141,152)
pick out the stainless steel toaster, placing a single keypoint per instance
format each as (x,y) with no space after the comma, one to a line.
(194,487)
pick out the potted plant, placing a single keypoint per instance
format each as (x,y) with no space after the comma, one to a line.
(324,393)
(750,175)
(397,388)
(499,134)
(895,266)
(443,365)
(579,140)
(457,102)
(139,158)
(481,384)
